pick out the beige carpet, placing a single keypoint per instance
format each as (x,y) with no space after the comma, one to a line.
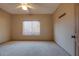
(31,48)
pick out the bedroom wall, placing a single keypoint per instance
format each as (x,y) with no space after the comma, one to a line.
(45,31)
(64,27)
(4,26)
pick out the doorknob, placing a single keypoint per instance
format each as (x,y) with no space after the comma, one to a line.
(73,36)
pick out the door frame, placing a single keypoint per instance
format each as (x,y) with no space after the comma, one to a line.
(76,7)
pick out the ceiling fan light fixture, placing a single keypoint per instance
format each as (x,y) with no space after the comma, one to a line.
(24,8)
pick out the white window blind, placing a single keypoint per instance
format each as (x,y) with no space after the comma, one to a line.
(31,27)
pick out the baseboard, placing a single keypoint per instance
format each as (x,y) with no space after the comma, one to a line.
(24,40)
(5,42)
(32,40)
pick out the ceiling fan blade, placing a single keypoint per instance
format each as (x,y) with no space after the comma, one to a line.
(31,7)
(18,6)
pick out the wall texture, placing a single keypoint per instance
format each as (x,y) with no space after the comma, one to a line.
(64,27)
(4,26)
(45,24)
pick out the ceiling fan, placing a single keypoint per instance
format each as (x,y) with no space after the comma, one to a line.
(28,6)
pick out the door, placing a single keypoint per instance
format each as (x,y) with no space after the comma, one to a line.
(64,27)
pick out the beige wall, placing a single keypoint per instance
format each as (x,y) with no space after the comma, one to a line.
(64,28)
(4,26)
(46,27)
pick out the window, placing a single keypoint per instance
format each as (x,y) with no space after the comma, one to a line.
(31,27)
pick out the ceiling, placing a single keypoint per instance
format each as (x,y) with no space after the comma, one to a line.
(40,8)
